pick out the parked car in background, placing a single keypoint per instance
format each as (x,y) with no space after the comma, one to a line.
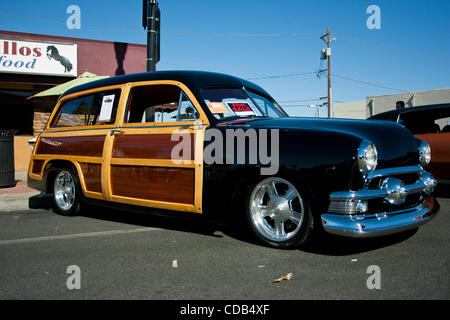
(432,124)
(216,147)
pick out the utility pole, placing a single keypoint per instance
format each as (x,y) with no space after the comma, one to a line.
(151,17)
(326,54)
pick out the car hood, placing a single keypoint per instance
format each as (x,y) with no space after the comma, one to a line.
(393,141)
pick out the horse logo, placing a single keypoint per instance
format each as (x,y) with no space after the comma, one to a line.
(52,53)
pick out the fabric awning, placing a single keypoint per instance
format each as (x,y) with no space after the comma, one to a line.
(63,87)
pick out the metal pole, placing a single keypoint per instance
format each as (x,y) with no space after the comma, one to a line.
(151,35)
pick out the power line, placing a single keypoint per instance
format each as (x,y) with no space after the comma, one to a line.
(118,28)
(282,76)
(333,74)
(367,83)
(304,100)
(303,105)
(241,35)
(383,47)
(309,105)
(127,28)
(307,100)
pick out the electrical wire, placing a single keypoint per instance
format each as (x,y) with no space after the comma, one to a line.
(293,101)
(207,34)
(281,76)
(117,27)
(127,28)
(87,26)
(389,49)
(241,35)
(367,83)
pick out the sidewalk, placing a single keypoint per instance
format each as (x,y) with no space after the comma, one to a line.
(17,197)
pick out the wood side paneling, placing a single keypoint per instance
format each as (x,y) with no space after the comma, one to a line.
(92,174)
(37,166)
(160,184)
(150,146)
(89,146)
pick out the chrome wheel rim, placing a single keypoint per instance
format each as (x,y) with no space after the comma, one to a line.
(276,209)
(64,190)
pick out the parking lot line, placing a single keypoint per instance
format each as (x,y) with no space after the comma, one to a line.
(77,235)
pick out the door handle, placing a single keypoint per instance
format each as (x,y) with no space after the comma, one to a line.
(116,132)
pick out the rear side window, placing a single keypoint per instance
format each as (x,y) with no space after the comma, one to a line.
(159,104)
(99,108)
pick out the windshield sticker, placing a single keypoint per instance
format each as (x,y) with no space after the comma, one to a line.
(217,107)
(241,108)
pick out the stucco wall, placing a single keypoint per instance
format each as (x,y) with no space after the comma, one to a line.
(351,110)
(380,104)
(22,152)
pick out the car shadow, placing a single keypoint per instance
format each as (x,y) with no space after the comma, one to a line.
(333,245)
(44,201)
(151,220)
(40,201)
(322,243)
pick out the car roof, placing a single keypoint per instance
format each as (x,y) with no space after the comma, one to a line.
(192,79)
(434,111)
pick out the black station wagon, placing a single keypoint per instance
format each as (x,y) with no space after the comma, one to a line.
(217,147)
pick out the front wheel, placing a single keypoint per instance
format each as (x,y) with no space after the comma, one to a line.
(65,193)
(278,213)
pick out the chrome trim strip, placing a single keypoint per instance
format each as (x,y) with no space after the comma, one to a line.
(165,126)
(107,127)
(357,195)
(393,171)
(368,194)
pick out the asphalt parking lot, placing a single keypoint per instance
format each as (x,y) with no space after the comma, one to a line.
(122,255)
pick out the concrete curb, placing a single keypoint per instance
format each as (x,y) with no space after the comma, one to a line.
(25,202)
(8,204)
(17,196)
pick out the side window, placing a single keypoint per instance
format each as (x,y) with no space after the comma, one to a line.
(74,113)
(99,108)
(158,103)
(186,111)
(427,124)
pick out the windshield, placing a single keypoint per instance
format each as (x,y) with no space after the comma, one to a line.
(238,102)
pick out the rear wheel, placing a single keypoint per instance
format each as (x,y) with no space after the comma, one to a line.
(279,213)
(66,193)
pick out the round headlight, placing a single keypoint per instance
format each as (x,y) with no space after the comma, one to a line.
(424,153)
(367,157)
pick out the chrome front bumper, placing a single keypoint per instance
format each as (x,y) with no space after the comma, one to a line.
(349,213)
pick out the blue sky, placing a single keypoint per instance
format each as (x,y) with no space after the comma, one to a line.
(257,39)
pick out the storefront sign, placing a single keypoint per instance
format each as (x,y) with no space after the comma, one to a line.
(38,58)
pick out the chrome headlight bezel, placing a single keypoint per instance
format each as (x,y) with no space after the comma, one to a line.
(424,153)
(367,157)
